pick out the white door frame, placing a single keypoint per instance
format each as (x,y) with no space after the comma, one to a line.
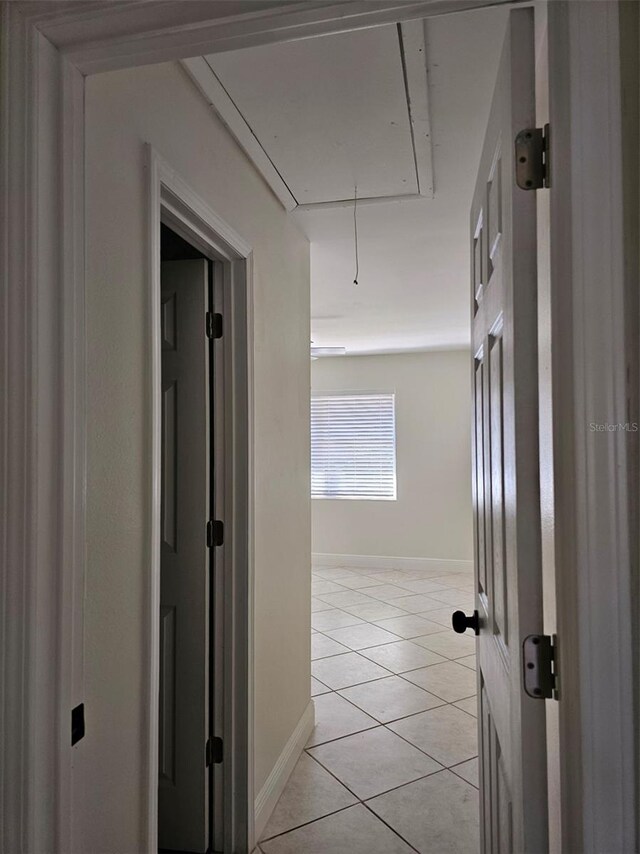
(173,202)
(47,50)
(589,358)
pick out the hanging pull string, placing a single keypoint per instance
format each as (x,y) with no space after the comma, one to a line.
(355,231)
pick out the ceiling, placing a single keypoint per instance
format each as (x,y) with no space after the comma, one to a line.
(400,113)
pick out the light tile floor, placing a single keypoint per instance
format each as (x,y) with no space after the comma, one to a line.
(392,763)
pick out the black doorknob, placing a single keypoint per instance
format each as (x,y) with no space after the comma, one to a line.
(461,622)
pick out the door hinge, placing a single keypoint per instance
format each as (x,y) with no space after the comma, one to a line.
(214,325)
(215,533)
(213,752)
(532,158)
(539,667)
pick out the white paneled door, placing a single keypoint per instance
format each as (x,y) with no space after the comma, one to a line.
(505,476)
(183,794)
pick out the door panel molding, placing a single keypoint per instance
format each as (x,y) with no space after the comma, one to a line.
(166,715)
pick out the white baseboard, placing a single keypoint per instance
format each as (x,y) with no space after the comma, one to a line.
(268,795)
(383,562)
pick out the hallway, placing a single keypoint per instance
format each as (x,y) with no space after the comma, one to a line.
(391,766)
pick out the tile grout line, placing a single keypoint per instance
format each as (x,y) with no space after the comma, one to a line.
(453,771)
(385,724)
(392,673)
(363,801)
(360,801)
(375,646)
(313,820)
(385,822)
(377,724)
(399,735)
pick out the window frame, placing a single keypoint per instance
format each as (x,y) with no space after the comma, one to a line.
(351,393)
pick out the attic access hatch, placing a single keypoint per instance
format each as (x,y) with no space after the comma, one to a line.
(318,116)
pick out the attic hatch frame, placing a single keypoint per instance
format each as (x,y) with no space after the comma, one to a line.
(412,55)
(47,50)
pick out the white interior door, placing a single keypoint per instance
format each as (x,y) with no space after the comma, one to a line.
(183,795)
(505,452)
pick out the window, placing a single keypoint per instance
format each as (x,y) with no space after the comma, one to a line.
(353,446)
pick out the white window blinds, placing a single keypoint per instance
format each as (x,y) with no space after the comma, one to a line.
(353,446)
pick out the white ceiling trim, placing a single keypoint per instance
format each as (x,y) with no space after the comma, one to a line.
(412,48)
(414,61)
(364,200)
(219,99)
(94,41)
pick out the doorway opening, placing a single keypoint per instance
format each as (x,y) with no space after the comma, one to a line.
(394,687)
(200,591)
(423,503)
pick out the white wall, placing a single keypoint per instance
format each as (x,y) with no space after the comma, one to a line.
(432,516)
(125,110)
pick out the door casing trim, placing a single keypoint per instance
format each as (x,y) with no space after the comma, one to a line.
(589,359)
(173,202)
